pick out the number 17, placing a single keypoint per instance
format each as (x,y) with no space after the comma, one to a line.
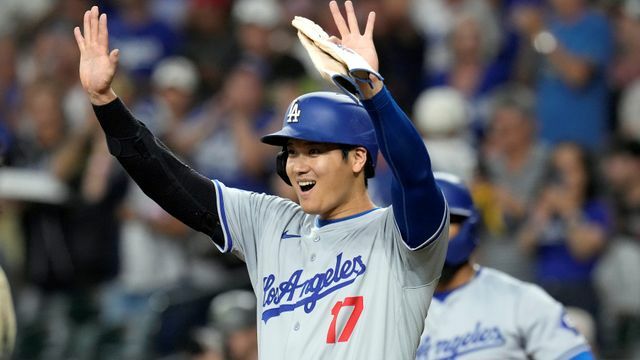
(358,304)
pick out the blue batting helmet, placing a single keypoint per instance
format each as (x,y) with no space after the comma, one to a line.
(326,117)
(460,205)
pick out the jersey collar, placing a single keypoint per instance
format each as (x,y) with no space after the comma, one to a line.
(443,295)
(320,222)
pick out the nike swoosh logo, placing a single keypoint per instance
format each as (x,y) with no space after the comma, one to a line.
(286,235)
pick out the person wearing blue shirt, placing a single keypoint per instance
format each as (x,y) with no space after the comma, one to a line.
(576,46)
(568,229)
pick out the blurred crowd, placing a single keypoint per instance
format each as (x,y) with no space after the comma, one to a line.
(535,103)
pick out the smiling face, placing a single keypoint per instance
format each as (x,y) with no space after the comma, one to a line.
(325,182)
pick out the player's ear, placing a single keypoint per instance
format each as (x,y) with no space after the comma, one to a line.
(358,159)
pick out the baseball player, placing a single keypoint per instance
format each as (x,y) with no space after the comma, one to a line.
(482,313)
(335,277)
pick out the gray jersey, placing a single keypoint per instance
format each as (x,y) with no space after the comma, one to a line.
(496,316)
(349,289)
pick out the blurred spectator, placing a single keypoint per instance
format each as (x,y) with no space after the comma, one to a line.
(401,48)
(475,69)
(568,228)
(55,57)
(69,12)
(19,17)
(617,273)
(170,12)
(625,74)
(442,117)
(71,249)
(575,45)
(207,345)
(142,39)
(622,173)
(259,40)
(234,314)
(52,56)
(10,93)
(225,137)
(149,235)
(629,112)
(515,164)
(626,65)
(256,20)
(172,104)
(437,18)
(209,42)
(153,259)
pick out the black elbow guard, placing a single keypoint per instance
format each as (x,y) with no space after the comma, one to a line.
(130,146)
(178,189)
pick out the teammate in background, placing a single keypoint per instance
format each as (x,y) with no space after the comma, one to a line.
(335,277)
(483,313)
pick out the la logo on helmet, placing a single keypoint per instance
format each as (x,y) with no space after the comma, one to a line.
(294,113)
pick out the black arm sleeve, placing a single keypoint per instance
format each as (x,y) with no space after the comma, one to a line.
(178,189)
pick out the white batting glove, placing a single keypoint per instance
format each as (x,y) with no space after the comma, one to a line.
(328,67)
(358,68)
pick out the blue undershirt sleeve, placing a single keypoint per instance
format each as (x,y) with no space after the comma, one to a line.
(418,205)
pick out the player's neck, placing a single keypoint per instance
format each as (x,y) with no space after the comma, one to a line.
(461,277)
(356,205)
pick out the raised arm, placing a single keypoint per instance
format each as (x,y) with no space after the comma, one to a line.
(418,205)
(178,189)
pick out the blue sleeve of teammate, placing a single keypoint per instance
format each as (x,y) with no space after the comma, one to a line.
(586,355)
(418,205)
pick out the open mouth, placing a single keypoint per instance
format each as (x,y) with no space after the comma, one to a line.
(306,185)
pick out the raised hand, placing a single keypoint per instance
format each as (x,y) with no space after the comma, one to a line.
(97,64)
(350,35)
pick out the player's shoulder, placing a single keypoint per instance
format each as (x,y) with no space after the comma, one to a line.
(496,279)
(241,202)
(228,192)
(383,217)
(524,292)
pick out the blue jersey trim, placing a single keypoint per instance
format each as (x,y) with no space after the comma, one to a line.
(580,352)
(228,240)
(585,355)
(443,295)
(322,222)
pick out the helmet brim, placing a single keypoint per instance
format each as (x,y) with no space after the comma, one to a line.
(275,139)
